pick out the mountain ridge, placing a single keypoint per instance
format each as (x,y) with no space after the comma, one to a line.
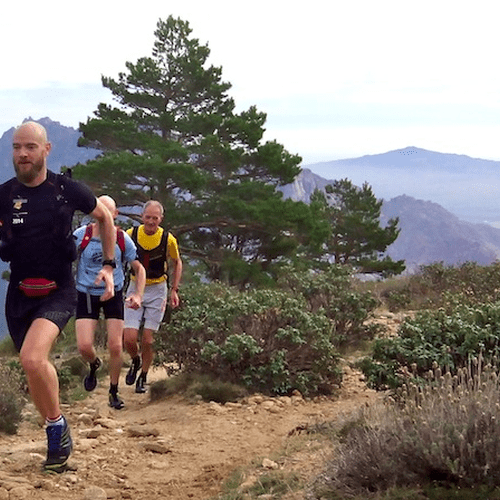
(429,232)
(468,187)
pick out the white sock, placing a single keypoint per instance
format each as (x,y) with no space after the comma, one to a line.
(58,421)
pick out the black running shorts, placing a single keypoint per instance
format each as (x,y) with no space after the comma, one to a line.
(21,311)
(89,306)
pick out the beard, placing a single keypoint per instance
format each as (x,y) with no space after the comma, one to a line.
(26,176)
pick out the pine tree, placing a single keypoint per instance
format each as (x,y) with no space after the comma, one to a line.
(175,137)
(355,236)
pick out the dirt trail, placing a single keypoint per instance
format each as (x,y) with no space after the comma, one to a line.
(166,450)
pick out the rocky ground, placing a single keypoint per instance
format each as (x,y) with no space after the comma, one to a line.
(173,449)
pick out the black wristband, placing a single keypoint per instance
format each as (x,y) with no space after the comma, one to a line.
(109,262)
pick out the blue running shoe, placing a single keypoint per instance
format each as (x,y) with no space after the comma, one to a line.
(59,447)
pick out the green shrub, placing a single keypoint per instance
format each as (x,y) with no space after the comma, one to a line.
(334,294)
(446,338)
(264,339)
(439,285)
(444,433)
(271,340)
(193,386)
(12,399)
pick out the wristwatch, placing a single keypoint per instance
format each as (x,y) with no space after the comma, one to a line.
(109,262)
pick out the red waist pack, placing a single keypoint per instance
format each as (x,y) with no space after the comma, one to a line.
(37,287)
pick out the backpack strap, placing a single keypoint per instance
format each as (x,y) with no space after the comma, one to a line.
(120,240)
(86,238)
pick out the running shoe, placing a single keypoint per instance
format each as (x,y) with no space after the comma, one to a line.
(59,447)
(132,371)
(90,381)
(115,402)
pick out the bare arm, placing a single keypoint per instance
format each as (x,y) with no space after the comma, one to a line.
(107,232)
(176,279)
(134,300)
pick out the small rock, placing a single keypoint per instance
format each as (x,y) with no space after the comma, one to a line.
(157,448)
(94,433)
(257,399)
(85,419)
(20,493)
(142,431)
(216,407)
(108,423)
(94,493)
(233,406)
(248,483)
(267,405)
(269,464)
(85,444)
(286,400)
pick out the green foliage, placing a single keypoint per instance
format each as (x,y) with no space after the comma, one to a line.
(446,338)
(439,285)
(264,339)
(332,293)
(7,347)
(194,386)
(444,434)
(272,341)
(355,236)
(272,484)
(12,400)
(177,138)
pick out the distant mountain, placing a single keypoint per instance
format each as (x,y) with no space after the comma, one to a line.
(429,233)
(467,187)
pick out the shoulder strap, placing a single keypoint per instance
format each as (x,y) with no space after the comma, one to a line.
(164,241)
(86,238)
(120,240)
(135,231)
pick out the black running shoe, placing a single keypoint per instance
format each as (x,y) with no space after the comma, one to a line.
(115,402)
(90,380)
(139,386)
(132,371)
(59,447)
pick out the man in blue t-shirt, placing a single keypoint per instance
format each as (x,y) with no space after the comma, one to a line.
(36,211)
(90,304)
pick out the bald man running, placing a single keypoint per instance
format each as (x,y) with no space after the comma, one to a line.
(90,303)
(36,211)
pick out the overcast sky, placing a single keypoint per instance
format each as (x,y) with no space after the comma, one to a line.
(337,78)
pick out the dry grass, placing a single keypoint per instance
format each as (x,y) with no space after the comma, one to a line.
(446,432)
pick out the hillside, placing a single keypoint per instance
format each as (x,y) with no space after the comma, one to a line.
(429,233)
